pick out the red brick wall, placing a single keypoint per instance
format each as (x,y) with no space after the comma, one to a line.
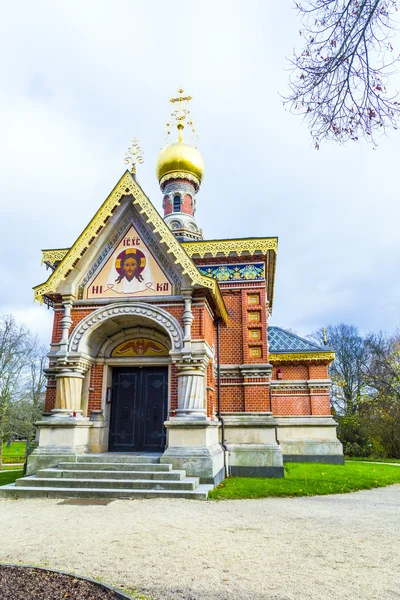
(77,314)
(232,397)
(95,388)
(291,372)
(231,335)
(291,405)
(50,400)
(57,330)
(256,397)
(320,405)
(318,372)
(186,205)
(235,349)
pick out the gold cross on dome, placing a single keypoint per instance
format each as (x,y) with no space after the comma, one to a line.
(134,155)
(181,114)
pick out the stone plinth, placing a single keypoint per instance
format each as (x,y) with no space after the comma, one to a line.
(61,439)
(309,439)
(252,445)
(193,445)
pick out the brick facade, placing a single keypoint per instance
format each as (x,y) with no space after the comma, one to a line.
(243,341)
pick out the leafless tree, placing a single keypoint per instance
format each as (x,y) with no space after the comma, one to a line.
(340,78)
(382,410)
(346,371)
(21,376)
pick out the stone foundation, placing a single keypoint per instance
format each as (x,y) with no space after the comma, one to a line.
(251,441)
(309,439)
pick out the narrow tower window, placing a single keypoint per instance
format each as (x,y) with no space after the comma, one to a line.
(177,204)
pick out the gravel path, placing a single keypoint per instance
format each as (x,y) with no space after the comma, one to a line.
(326,547)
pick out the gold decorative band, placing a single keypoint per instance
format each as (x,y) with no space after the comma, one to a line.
(180,175)
(301,357)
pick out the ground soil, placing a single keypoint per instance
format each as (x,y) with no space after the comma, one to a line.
(18,583)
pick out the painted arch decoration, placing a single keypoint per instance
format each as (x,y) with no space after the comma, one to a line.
(140,347)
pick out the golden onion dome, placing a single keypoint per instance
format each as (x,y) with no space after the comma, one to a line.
(180,160)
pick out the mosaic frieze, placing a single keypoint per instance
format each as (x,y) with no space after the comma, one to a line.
(246,272)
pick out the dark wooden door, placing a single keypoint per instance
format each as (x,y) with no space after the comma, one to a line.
(139,404)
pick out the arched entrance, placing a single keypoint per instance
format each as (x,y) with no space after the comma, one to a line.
(131,345)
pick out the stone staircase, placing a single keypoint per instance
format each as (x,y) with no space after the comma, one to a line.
(108,476)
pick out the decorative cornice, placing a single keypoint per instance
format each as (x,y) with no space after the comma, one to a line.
(227,247)
(286,357)
(128,186)
(245,371)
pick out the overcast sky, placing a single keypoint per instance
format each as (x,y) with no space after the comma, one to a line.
(80,79)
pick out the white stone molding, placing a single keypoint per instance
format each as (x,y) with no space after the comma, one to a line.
(95,319)
(301,384)
(256,370)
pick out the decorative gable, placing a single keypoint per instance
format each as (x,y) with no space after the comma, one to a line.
(81,262)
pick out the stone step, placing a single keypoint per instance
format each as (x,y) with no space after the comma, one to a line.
(119,458)
(108,474)
(116,466)
(189,483)
(13,491)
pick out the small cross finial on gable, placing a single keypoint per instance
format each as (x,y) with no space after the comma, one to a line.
(134,155)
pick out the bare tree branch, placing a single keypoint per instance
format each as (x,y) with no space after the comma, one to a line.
(339,81)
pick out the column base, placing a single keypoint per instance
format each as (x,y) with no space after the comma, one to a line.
(61,439)
(193,446)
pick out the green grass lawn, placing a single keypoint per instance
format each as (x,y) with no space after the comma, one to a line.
(309,479)
(369,459)
(16,449)
(15,453)
(10,476)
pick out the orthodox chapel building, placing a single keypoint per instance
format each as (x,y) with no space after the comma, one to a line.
(164,375)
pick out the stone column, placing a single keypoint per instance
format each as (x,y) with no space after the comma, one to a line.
(191,389)
(68,392)
(187,322)
(64,434)
(66,323)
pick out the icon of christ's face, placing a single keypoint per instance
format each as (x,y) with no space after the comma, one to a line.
(130,268)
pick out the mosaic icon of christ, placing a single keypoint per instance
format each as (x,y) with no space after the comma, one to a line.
(129,265)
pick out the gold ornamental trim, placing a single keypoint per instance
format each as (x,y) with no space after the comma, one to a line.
(53,255)
(180,175)
(276,358)
(128,186)
(226,247)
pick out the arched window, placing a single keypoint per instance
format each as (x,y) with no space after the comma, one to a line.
(177,203)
